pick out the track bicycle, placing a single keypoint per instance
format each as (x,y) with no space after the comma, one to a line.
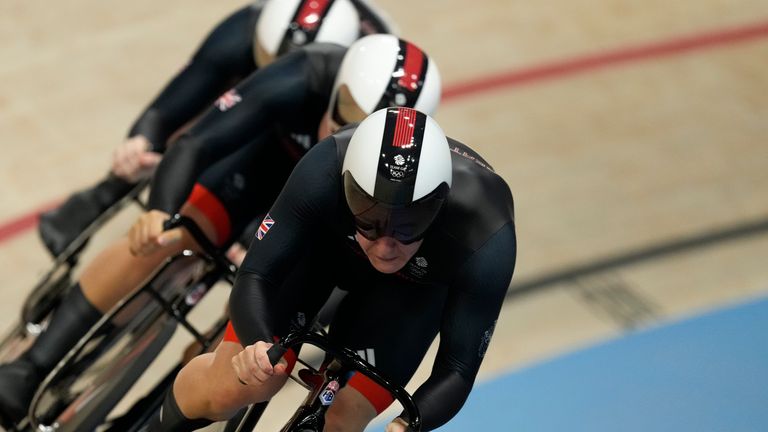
(81,392)
(55,283)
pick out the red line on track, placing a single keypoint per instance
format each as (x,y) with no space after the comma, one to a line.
(16,226)
(588,62)
(557,69)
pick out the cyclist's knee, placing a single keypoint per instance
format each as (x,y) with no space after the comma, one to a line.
(351,411)
(226,398)
(225,394)
(201,390)
(223,406)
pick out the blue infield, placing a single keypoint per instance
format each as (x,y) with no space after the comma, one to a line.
(707,373)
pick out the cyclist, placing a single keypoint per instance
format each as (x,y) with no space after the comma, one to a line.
(227,169)
(239,45)
(416,227)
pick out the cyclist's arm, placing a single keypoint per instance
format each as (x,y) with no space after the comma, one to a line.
(302,212)
(224,58)
(266,96)
(468,321)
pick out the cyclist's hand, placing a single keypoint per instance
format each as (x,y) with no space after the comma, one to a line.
(147,234)
(397,425)
(132,160)
(252,365)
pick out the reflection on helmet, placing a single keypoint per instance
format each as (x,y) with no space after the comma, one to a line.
(397,174)
(285,25)
(380,71)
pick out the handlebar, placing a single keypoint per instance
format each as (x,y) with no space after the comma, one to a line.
(214,252)
(350,360)
(275,353)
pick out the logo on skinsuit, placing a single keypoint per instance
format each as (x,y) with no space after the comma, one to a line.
(266,224)
(229,99)
(368,355)
(485,340)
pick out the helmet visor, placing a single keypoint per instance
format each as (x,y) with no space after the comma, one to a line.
(405,223)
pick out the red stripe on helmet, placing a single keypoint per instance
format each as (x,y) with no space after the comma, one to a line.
(404,128)
(311,13)
(412,67)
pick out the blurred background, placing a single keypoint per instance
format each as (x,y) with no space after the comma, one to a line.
(632,134)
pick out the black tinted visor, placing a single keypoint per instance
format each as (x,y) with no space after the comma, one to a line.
(405,223)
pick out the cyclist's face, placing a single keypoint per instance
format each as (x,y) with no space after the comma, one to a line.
(263,58)
(344,110)
(327,127)
(386,254)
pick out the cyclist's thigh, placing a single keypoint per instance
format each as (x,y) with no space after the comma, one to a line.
(242,186)
(208,385)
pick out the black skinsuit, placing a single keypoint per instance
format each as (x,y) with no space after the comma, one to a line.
(223,59)
(454,285)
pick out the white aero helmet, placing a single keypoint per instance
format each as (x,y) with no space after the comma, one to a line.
(397,173)
(380,71)
(285,25)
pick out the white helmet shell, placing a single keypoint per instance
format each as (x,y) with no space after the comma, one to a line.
(399,146)
(286,24)
(382,70)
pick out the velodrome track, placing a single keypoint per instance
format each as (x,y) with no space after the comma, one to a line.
(632,135)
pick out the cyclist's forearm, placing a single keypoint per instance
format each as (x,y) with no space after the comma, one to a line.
(152,126)
(223,59)
(441,397)
(176,175)
(187,96)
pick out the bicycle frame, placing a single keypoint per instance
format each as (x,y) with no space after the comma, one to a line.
(109,389)
(343,361)
(47,293)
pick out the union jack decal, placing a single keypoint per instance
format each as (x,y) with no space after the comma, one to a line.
(266,224)
(228,100)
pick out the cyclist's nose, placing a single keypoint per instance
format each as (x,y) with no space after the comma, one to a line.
(386,243)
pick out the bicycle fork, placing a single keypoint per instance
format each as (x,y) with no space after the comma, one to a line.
(310,417)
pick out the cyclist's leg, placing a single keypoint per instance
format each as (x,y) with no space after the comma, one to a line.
(224,395)
(60,226)
(207,387)
(391,327)
(115,272)
(351,411)
(244,183)
(215,204)
(20,378)
(112,275)
(218,203)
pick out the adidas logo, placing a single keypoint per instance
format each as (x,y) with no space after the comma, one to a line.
(367,355)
